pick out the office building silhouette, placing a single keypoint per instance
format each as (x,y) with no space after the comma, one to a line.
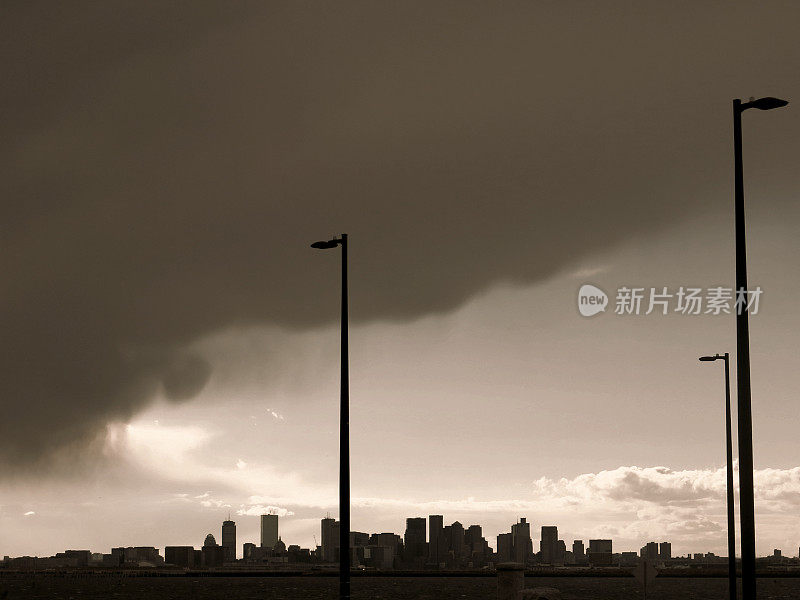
(521,541)
(600,553)
(269,531)
(505,547)
(436,539)
(414,539)
(548,545)
(229,540)
(578,552)
(330,539)
(665,551)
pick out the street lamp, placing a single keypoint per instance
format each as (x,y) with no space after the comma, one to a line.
(745,426)
(729,458)
(344,431)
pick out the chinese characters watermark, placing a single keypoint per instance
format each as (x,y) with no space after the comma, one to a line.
(685,300)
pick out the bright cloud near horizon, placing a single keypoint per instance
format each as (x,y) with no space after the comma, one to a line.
(171,349)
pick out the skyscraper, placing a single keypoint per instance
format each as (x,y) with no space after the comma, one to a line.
(330,539)
(560,553)
(578,551)
(435,540)
(505,547)
(452,542)
(473,537)
(475,545)
(229,539)
(415,538)
(600,553)
(649,551)
(548,545)
(665,551)
(521,539)
(248,550)
(269,531)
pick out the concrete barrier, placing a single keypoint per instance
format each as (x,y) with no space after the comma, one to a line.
(510,581)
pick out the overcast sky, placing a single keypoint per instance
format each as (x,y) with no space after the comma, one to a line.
(171,342)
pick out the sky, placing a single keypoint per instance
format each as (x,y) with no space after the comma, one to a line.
(171,341)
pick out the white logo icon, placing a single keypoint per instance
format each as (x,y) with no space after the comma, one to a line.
(591,300)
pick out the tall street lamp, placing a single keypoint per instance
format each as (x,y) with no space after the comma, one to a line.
(729,458)
(344,432)
(746,502)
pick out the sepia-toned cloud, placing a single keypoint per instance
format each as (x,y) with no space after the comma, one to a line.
(165,168)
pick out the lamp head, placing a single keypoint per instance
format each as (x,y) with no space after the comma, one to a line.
(710,358)
(767,103)
(324,245)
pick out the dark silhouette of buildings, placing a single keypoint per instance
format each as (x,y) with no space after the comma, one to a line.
(560,553)
(578,552)
(229,540)
(517,545)
(436,539)
(505,547)
(450,547)
(359,538)
(665,551)
(136,555)
(656,552)
(649,551)
(180,556)
(548,545)
(296,554)
(213,555)
(415,546)
(476,546)
(600,553)
(330,539)
(454,543)
(248,551)
(522,546)
(269,531)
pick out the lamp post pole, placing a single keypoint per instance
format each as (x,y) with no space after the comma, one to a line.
(745,428)
(729,481)
(344,444)
(729,484)
(344,430)
(746,500)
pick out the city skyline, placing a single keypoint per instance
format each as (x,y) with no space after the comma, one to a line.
(425,543)
(545,547)
(170,341)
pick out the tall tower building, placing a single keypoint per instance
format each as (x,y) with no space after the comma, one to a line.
(415,538)
(330,539)
(229,540)
(549,545)
(665,551)
(521,539)
(269,531)
(578,551)
(435,538)
(455,540)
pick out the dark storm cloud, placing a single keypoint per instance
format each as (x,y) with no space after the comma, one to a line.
(165,166)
